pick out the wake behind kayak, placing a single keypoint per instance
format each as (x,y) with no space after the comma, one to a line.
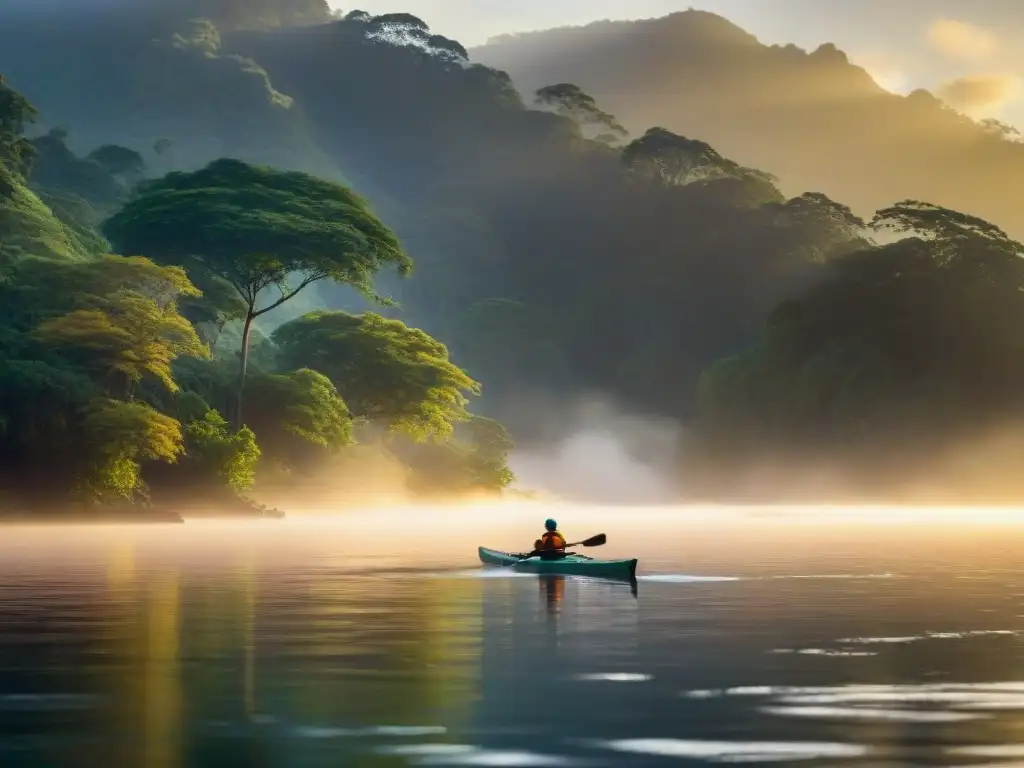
(571,564)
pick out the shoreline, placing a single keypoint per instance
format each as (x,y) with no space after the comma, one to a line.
(141,515)
(72,518)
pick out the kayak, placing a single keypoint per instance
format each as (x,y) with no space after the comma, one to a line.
(571,564)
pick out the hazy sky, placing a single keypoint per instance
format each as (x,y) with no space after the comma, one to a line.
(968,47)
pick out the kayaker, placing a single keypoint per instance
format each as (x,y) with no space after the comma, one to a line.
(551,543)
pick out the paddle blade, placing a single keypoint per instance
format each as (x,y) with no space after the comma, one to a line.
(595,541)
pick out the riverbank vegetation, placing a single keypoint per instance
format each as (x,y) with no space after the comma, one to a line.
(425,263)
(112,389)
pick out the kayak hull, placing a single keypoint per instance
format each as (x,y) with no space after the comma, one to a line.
(571,564)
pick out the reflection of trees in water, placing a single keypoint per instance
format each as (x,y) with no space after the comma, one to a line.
(249,627)
(162,702)
(334,651)
(186,656)
(396,651)
(144,686)
(225,684)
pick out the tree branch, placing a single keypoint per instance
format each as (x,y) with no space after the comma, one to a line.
(285,296)
(237,287)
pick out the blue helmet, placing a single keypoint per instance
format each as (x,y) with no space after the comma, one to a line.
(550,524)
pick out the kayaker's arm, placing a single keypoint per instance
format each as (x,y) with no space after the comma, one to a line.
(593,541)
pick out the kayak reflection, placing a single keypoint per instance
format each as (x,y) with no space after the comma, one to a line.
(553,590)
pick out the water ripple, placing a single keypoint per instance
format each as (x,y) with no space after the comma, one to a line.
(467,754)
(615,677)
(844,576)
(930,635)
(737,751)
(928,703)
(682,578)
(830,652)
(314,732)
(871,713)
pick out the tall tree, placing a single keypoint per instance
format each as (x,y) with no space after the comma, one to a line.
(256,227)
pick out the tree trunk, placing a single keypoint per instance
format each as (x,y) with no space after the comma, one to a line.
(243,364)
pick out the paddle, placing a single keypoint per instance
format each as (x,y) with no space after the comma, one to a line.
(594,541)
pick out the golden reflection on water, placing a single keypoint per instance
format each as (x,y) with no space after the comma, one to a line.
(248,578)
(396,648)
(142,637)
(162,701)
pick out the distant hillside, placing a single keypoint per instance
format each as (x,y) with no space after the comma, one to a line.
(229,14)
(815,119)
(664,273)
(132,76)
(551,263)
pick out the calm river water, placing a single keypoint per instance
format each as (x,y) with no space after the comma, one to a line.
(375,639)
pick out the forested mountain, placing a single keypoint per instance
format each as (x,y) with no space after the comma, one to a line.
(569,236)
(814,118)
(227,14)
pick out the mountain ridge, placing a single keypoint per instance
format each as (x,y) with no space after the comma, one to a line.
(814,118)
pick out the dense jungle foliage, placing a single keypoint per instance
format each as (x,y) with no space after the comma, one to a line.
(341,230)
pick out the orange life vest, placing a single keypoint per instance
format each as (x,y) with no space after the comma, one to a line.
(552,540)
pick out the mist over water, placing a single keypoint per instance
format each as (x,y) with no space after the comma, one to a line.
(604,456)
(592,466)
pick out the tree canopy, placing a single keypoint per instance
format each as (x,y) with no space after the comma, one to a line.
(676,160)
(78,338)
(570,101)
(256,229)
(109,393)
(901,352)
(255,226)
(298,413)
(666,271)
(119,162)
(388,373)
